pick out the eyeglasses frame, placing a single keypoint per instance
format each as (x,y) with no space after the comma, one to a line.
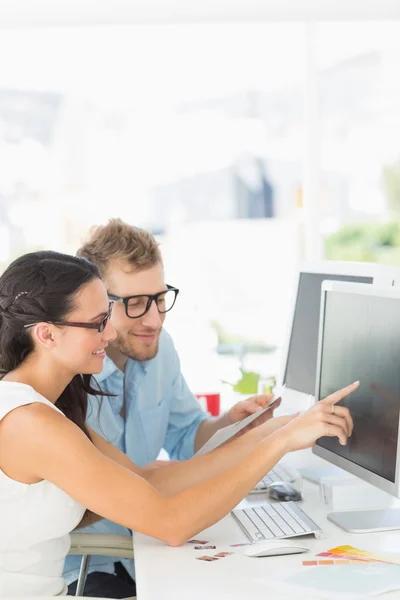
(100,326)
(151,298)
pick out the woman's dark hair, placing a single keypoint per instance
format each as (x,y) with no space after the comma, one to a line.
(42,286)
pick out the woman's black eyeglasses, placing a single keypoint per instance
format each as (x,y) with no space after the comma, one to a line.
(100,326)
(137,306)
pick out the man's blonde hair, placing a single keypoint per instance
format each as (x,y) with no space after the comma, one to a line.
(119,241)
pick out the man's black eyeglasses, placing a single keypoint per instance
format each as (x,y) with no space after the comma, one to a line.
(100,326)
(137,306)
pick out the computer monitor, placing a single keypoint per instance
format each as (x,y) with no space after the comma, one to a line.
(300,351)
(359,339)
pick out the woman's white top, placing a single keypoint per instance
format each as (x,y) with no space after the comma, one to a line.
(35,520)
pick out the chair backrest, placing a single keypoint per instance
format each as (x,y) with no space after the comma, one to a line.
(101,544)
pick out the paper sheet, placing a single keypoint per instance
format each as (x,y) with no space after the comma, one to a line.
(224,434)
(339,582)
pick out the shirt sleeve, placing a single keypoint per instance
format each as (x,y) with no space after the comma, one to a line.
(185,415)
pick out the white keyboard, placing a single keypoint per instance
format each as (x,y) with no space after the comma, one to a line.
(275,520)
(279,473)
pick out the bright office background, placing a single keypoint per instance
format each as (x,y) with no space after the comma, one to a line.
(200,133)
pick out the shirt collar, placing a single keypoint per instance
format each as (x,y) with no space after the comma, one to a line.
(110,367)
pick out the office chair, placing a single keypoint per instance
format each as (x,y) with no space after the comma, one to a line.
(98,544)
(52,598)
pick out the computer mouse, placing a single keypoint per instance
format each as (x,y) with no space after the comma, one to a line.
(284,492)
(275,548)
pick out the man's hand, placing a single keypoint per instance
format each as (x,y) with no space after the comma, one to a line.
(252,405)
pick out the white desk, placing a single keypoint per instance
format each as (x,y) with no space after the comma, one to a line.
(164,573)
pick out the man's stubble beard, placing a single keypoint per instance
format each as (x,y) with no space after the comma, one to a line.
(126,346)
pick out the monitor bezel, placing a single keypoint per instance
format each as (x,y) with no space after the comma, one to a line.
(365,289)
(380,274)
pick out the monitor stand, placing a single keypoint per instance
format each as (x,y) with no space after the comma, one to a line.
(366,521)
(317,473)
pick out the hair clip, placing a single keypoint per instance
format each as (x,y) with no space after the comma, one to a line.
(20,294)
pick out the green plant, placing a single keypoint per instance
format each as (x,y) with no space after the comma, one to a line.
(365,242)
(391,186)
(248,383)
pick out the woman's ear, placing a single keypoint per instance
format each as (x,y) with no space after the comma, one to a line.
(43,334)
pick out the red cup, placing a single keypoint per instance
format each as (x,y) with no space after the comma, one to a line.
(213,403)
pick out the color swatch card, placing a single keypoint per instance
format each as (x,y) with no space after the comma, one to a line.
(350,552)
(332,561)
(331,556)
(355,581)
(344,555)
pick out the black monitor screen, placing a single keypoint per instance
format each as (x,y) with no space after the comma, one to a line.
(361,341)
(301,363)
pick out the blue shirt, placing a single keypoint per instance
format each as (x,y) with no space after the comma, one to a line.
(160,412)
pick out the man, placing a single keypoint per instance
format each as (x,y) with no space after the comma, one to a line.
(150,406)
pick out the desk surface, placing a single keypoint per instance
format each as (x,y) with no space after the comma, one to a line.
(163,572)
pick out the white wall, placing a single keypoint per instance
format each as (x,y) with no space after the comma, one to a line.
(106,12)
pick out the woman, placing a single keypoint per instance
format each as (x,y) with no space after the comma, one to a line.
(54,328)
